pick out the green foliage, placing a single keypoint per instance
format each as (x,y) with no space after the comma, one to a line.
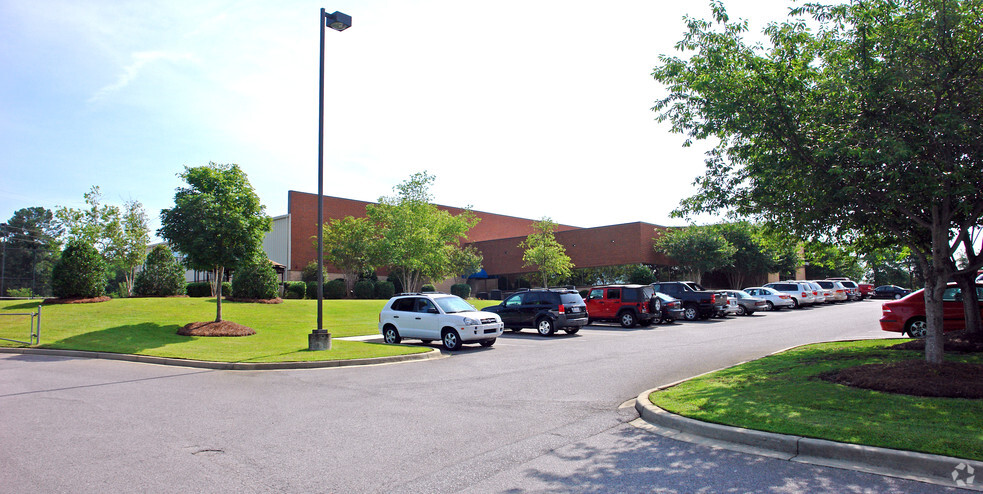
(309,273)
(418,240)
(31,248)
(350,244)
(384,290)
(80,273)
(295,290)
(255,279)
(696,248)
(825,260)
(462,290)
(20,293)
(199,289)
(364,289)
(427,287)
(334,289)
(542,251)
(217,220)
(311,288)
(641,275)
(162,274)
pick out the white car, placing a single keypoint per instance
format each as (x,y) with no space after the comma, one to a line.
(437,316)
(802,293)
(774,299)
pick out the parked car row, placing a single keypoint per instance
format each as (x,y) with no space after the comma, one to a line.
(907,315)
(454,321)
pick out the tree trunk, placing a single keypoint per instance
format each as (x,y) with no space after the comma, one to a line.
(220,273)
(971,305)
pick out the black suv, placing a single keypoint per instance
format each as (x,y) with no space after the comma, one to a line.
(546,309)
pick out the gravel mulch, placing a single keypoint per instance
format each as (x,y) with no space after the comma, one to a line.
(212,328)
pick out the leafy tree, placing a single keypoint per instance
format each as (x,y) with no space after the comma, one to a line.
(697,248)
(31,248)
(418,240)
(162,274)
(641,275)
(866,124)
(255,278)
(752,255)
(350,245)
(826,260)
(217,221)
(89,225)
(80,273)
(542,251)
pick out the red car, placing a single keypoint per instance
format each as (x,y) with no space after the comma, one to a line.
(865,290)
(907,315)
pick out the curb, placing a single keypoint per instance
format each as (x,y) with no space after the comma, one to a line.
(923,467)
(204,364)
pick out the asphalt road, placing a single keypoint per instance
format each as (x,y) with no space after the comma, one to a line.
(529,414)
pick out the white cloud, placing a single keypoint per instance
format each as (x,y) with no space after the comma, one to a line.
(139,61)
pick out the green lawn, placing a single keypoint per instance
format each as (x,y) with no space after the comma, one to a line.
(148,326)
(782,393)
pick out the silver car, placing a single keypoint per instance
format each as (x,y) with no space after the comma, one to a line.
(746,304)
(774,299)
(803,295)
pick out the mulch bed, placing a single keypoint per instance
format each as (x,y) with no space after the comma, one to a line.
(212,328)
(277,300)
(918,377)
(52,301)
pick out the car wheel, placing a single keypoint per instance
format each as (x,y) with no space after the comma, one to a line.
(545,326)
(897,296)
(917,328)
(795,303)
(691,313)
(771,306)
(741,311)
(628,319)
(451,340)
(487,343)
(391,335)
(571,330)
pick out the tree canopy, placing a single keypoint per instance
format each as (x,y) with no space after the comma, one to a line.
(217,221)
(545,253)
(862,121)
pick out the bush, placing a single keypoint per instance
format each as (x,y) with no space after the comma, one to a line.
(255,278)
(364,289)
(309,273)
(311,289)
(80,273)
(334,289)
(384,290)
(20,293)
(161,276)
(462,290)
(204,289)
(428,288)
(295,289)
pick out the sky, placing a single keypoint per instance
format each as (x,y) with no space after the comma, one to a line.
(531,108)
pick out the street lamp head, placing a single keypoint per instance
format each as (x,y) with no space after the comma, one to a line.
(338,21)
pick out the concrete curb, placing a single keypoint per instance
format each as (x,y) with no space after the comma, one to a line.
(933,469)
(202,364)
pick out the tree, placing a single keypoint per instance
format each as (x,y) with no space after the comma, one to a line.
(161,276)
(255,278)
(751,254)
(825,260)
(30,249)
(418,240)
(217,221)
(696,248)
(80,273)
(866,125)
(128,237)
(543,252)
(350,245)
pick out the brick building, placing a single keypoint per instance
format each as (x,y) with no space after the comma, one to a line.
(496,236)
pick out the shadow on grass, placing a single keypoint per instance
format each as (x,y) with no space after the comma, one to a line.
(25,305)
(134,338)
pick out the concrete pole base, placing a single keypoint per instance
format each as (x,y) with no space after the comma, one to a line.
(319,339)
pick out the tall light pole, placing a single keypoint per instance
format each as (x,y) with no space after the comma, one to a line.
(320,339)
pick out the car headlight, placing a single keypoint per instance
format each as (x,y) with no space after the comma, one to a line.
(471,322)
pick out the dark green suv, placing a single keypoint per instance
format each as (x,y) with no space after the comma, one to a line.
(546,309)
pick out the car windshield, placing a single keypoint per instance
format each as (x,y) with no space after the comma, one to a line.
(454,304)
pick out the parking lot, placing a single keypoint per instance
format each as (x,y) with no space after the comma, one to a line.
(531,413)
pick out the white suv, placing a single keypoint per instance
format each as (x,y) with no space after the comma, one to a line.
(802,293)
(437,316)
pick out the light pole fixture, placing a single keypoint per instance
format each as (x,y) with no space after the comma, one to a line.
(320,339)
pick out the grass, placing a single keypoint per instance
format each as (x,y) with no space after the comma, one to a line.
(148,326)
(783,393)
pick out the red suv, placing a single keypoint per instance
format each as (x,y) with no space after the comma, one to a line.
(626,304)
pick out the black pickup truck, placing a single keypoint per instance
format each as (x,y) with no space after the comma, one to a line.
(698,303)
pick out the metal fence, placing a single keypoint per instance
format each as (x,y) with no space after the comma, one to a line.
(35,334)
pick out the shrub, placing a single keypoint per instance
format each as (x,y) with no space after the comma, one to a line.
(199,289)
(384,290)
(364,289)
(295,290)
(334,289)
(462,290)
(255,278)
(20,293)
(311,289)
(309,273)
(80,273)
(161,276)
(428,288)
